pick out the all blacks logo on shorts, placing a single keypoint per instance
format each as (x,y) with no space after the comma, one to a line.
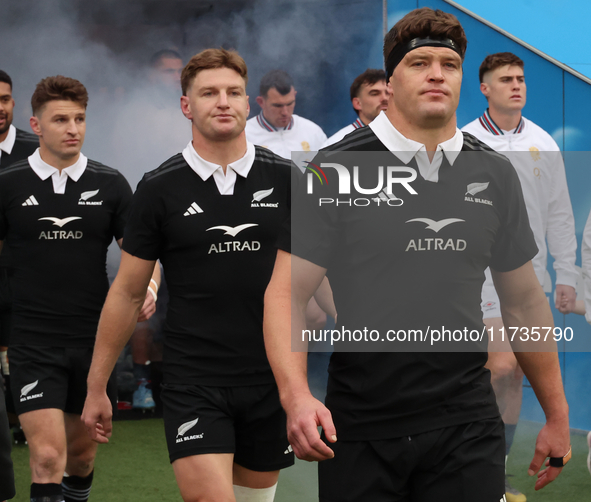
(386,177)
(186,427)
(28,388)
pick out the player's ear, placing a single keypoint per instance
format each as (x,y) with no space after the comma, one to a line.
(485,89)
(34,121)
(260,101)
(247,105)
(186,107)
(356,103)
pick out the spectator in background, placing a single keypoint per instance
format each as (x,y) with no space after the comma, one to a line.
(165,71)
(369,96)
(276,127)
(583,307)
(539,165)
(150,127)
(280,130)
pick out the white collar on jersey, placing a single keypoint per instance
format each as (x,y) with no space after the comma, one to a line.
(8,143)
(44,171)
(406,148)
(224,182)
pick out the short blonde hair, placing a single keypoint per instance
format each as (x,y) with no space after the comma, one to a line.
(211,59)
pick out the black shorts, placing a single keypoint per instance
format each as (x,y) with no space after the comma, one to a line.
(51,377)
(465,463)
(247,421)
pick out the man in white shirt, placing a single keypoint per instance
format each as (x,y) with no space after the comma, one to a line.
(584,306)
(277,127)
(369,96)
(537,160)
(280,130)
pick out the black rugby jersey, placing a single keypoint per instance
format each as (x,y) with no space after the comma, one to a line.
(415,265)
(59,247)
(217,253)
(25,144)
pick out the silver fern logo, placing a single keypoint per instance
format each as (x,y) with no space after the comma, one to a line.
(28,388)
(474,188)
(186,427)
(261,194)
(88,195)
(84,196)
(257,197)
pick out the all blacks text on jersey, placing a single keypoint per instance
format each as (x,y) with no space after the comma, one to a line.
(257,197)
(84,196)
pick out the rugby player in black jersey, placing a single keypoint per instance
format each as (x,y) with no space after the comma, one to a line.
(59,211)
(15,145)
(413,426)
(211,214)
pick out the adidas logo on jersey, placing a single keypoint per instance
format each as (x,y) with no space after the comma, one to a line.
(84,196)
(28,388)
(257,197)
(31,201)
(289,450)
(193,209)
(186,427)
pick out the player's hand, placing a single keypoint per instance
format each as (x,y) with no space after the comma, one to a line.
(566,298)
(148,309)
(96,416)
(553,441)
(304,414)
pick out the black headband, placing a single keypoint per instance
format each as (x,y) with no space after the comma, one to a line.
(397,54)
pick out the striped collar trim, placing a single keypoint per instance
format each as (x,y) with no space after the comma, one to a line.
(358,124)
(489,124)
(265,124)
